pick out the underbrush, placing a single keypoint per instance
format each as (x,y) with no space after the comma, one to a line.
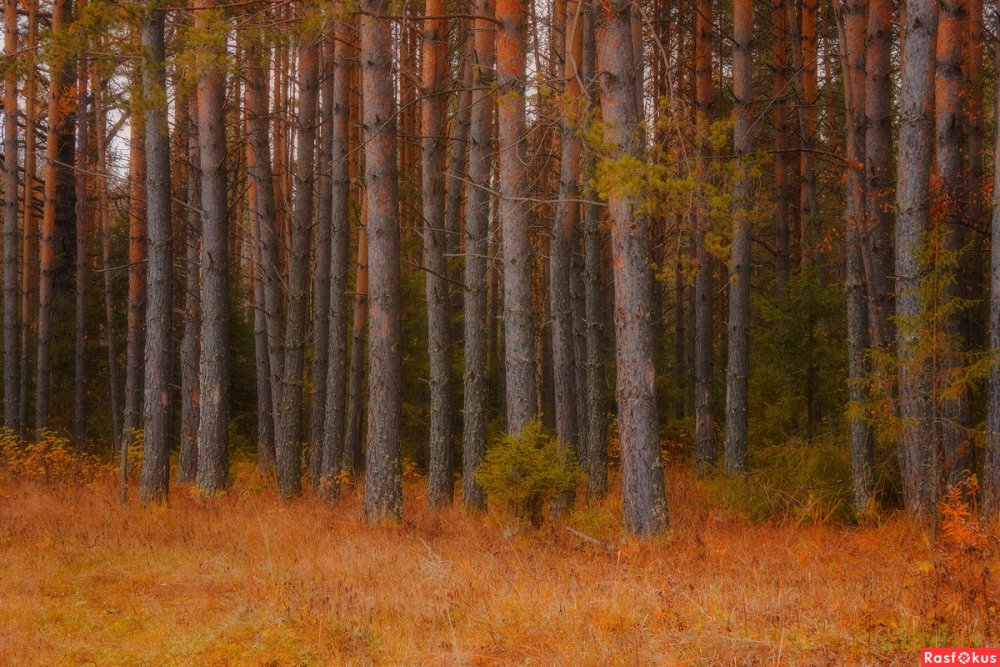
(806,482)
(51,458)
(247,577)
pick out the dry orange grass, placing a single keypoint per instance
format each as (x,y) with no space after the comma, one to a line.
(250,579)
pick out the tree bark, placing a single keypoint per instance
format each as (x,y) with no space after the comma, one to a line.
(358,387)
(29,231)
(383,469)
(851,26)
(336,388)
(477,225)
(564,229)
(878,167)
(289,426)
(705,443)
(136,316)
(154,480)
(104,219)
(433,107)
(58,208)
(11,298)
(643,497)
(213,419)
(267,240)
(918,455)
(991,457)
(593,288)
(519,360)
(321,273)
(187,469)
(779,115)
(738,348)
(82,170)
(958,451)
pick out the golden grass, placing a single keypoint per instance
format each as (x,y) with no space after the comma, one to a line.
(251,579)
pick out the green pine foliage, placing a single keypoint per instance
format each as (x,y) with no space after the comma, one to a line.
(527,471)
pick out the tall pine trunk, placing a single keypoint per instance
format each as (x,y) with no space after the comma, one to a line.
(213,434)
(11,298)
(440,478)
(705,443)
(334,426)
(153,482)
(991,455)
(564,229)
(58,212)
(383,468)
(288,447)
(83,168)
(738,367)
(187,469)
(136,316)
(959,459)
(29,230)
(643,496)
(877,249)
(519,355)
(918,453)
(104,219)
(477,225)
(270,362)
(851,27)
(321,272)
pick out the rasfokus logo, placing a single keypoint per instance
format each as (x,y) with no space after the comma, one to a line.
(959,656)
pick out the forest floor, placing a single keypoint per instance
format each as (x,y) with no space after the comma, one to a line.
(250,579)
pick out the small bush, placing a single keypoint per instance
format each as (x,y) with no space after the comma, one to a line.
(527,471)
(51,459)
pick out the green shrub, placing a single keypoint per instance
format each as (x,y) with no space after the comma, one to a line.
(527,471)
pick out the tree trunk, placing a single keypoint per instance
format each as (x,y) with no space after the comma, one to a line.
(564,229)
(457,162)
(335,418)
(956,442)
(187,470)
(807,69)
(267,237)
(357,388)
(738,347)
(213,434)
(851,26)
(154,481)
(83,167)
(878,166)
(104,218)
(289,426)
(477,224)
(58,212)
(519,360)
(136,317)
(321,272)
(433,107)
(644,501)
(991,457)
(918,457)
(11,325)
(779,115)
(594,311)
(383,469)
(29,230)
(705,444)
